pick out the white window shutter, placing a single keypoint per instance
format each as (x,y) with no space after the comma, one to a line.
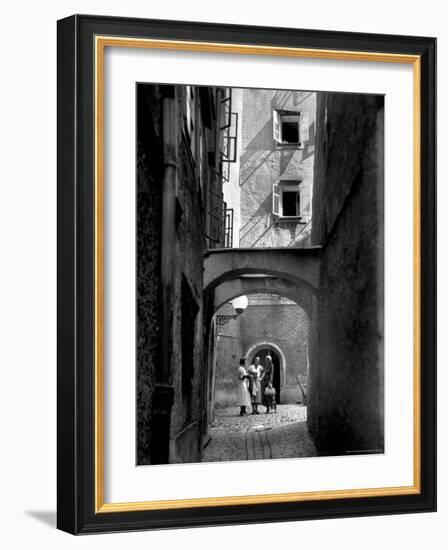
(276,128)
(304,133)
(276,199)
(187,106)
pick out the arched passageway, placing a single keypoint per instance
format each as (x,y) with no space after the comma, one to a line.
(262,350)
(271,324)
(267,433)
(293,275)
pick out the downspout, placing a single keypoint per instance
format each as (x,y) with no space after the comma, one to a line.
(163,395)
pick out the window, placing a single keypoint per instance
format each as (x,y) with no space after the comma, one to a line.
(290,128)
(227,226)
(290,203)
(286,199)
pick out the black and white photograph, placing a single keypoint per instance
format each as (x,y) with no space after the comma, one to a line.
(222,287)
(259,274)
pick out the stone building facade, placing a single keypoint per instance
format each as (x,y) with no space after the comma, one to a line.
(271,193)
(276,167)
(180,144)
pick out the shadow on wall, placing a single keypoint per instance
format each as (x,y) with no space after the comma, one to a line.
(251,161)
(258,153)
(292,97)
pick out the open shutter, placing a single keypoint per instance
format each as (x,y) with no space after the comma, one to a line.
(226,108)
(276,199)
(304,124)
(215,215)
(276,129)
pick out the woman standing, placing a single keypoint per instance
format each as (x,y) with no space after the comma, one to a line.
(243,392)
(255,373)
(266,380)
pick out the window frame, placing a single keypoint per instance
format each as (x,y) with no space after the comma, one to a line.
(302,117)
(295,119)
(292,189)
(278,188)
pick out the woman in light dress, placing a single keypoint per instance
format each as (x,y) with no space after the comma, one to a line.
(243,395)
(255,373)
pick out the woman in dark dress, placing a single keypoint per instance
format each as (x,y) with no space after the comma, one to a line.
(266,380)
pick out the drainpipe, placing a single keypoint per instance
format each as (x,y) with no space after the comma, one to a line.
(163,395)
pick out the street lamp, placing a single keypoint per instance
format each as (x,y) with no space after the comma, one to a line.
(240,304)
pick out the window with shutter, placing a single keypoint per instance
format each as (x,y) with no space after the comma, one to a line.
(290,128)
(276,126)
(225,110)
(287,200)
(215,213)
(290,203)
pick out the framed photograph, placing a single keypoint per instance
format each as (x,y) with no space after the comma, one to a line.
(246,274)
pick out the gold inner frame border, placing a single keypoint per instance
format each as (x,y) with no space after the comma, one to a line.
(101,42)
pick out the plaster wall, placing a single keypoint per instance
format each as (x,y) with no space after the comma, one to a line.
(347,398)
(263,161)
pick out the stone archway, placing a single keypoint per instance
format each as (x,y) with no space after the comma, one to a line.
(289,272)
(300,266)
(253,350)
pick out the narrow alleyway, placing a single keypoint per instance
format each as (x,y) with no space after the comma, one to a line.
(280,435)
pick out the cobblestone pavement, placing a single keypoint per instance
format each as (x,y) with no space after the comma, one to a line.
(283,434)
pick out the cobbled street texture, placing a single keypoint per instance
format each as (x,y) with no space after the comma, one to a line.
(283,434)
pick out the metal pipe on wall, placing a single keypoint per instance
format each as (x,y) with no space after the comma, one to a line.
(164,391)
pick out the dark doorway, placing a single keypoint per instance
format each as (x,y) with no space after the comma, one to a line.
(276,361)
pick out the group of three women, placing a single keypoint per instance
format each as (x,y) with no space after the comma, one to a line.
(255,385)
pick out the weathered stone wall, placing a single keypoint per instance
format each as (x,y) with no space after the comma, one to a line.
(188,410)
(346,338)
(188,379)
(229,350)
(263,161)
(149,187)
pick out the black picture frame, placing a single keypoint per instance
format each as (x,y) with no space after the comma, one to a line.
(76,286)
